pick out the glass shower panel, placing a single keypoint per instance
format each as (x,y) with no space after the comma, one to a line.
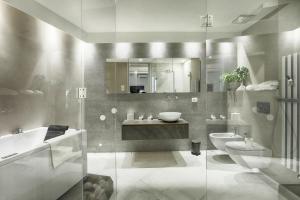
(152,161)
(98,24)
(253,49)
(286,137)
(41,71)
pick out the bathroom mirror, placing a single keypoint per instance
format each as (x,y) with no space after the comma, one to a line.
(152,75)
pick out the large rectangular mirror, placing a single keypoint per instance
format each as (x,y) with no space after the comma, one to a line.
(153,75)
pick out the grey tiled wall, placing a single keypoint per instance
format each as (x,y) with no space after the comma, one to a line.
(37,56)
(108,133)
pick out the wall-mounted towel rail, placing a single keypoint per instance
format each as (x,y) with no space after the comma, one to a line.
(290,111)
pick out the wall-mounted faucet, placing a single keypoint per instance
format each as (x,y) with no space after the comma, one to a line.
(19,130)
(245,136)
(150,117)
(141,117)
(235,130)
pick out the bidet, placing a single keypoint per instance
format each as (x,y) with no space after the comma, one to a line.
(219,139)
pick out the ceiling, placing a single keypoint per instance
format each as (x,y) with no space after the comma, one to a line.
(153,16)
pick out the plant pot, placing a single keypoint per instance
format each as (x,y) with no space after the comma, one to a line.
(232,86)
(242,87)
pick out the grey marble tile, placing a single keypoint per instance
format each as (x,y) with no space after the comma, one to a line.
(201,178)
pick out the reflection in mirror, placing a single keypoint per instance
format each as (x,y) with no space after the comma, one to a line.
(153,75)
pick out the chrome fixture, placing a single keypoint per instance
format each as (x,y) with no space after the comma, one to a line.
(290,81)
(235,130)
(19,130)
(245,136)
(141,117)
(206,20)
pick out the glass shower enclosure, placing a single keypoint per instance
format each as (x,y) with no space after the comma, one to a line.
(230,67)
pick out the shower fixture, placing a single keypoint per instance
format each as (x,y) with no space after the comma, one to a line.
(263,11)
(243,19)
(206,20)
(290,81)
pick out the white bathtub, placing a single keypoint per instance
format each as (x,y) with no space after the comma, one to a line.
(29,175)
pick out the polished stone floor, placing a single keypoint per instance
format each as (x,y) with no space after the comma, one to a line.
(180,176)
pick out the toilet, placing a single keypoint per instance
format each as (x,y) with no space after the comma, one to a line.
(249,154)
(220,139)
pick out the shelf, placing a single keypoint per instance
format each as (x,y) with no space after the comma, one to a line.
(154,130)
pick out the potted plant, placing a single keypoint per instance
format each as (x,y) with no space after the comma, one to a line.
(243,74)
(236,78)
(231,80)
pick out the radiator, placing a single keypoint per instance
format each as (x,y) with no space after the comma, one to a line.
(290,111)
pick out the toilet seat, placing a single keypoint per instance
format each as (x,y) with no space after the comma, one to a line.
(242,146)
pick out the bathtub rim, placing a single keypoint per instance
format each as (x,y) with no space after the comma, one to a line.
(38,148)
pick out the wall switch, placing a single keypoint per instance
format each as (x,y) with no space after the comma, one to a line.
(194,99)
(81,93)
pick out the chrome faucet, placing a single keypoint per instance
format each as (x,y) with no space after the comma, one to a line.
(19,130)
(235,130)
(245,136)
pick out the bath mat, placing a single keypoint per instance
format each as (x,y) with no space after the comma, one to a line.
(154,160)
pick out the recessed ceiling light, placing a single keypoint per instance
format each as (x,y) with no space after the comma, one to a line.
(242,19)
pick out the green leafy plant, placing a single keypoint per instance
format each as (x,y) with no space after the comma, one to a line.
(242,74)
(239,75)
(230,77)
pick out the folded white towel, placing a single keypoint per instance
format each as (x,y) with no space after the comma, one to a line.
(250,87)
(267,85)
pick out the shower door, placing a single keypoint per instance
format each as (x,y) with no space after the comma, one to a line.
(262,111)
(41,74)
(159,33)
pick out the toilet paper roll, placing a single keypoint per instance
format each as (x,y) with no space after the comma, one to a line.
(235,116)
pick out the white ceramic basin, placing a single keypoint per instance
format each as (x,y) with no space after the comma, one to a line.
(169,116)
(219,139)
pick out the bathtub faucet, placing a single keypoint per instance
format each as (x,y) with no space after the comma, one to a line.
(19,130)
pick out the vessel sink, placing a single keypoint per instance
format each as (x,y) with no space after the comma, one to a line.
(169,116)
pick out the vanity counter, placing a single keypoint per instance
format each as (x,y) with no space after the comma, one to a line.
(154,129)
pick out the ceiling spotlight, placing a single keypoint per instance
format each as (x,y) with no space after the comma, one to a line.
(242,19)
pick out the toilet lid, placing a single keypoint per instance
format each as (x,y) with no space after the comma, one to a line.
(241,146)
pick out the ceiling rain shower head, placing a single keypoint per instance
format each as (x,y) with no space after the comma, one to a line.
(242,19)
(263,11)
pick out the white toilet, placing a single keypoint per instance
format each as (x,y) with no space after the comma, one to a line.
(250,154)
(219,139)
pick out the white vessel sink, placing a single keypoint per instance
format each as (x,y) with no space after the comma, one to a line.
(169,116)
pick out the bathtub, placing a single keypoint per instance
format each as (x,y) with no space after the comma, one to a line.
(26,170)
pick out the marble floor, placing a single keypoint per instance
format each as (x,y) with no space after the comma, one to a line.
(180,176)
